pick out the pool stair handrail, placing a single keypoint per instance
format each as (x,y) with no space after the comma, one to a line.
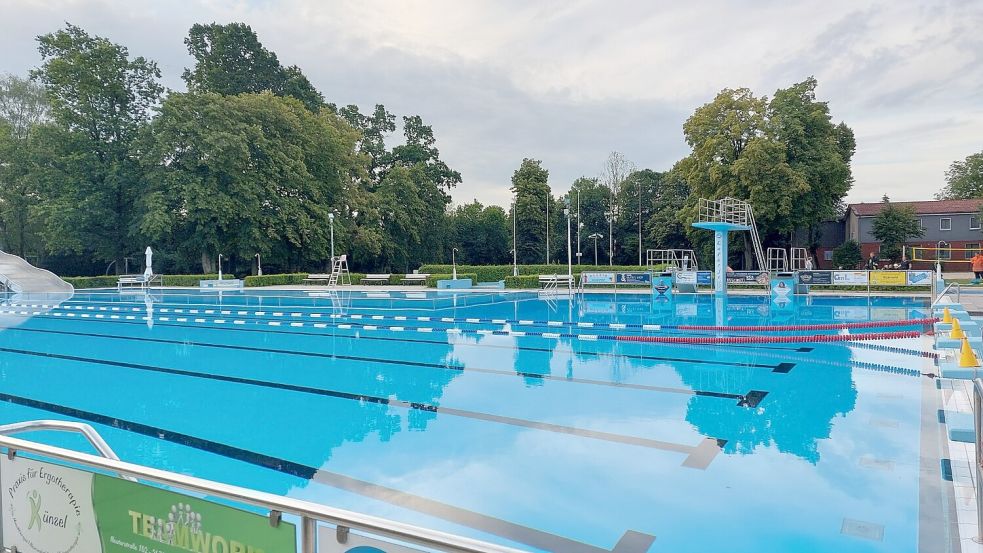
(978,460)
(310,514)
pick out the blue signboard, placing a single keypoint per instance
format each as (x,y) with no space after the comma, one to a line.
(704,278)
(634,278)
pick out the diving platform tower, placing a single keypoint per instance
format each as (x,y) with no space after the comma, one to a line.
(723,216)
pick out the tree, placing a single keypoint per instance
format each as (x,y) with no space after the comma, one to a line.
(230,60)
(847,255)
(23,107)
(593,199)
(964,179)
(23,104)
(894,226)
(614,173)
(662,228)
(636,206)
(100,98)
(246,174)
(785,157)
(531,197)
(481,233)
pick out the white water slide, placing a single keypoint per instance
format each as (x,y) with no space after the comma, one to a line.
(22,278)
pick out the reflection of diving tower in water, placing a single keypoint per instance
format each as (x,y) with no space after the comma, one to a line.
(722,216)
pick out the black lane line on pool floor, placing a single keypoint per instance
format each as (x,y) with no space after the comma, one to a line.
(742,400)
(630,542)
(781,367)
(695,454)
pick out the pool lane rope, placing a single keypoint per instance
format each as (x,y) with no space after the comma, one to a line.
(813,338)
(822,326)
(290,311)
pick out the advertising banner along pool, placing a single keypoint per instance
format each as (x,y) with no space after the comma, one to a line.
(50,508)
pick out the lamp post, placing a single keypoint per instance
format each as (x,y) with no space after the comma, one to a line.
(259,265)
(454,263)
(547,228)
(610,216)
(515,252)
(594,237)
(220,266)
(580,225)
(331,222)
(566,212)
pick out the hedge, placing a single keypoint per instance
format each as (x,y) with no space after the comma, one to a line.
(522,281)
(433,278)
(92,282)
(110,281)
(275,280)
(494,273)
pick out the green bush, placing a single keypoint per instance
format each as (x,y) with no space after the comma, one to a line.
(275,280)
(188,280)
(109,281)
(81,283)
(432,279)
(522,281)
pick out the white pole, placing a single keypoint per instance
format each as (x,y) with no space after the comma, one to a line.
(331,219)
(578,226)
(611,239)
(569,253)
(220,266)
(547,228)
(515,252)
(454,263)
(259,265)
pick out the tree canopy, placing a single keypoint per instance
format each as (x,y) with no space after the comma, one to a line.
(964,179)
(97,160)
(894,226)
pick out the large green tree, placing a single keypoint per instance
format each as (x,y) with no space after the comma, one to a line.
(784,156)
(637,203)
(894,226)
(532,194)
(100,98)
(590,199)
(964,179)
(481,234)
(23,107)
(246,174)
(230,60)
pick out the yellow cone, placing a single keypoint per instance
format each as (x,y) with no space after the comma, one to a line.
(946,316)
(957,331)
(967,357)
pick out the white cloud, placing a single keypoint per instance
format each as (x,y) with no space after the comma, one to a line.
(569,81)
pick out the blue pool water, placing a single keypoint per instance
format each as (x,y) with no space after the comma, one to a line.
(569,442)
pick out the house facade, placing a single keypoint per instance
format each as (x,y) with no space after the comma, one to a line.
(947,224)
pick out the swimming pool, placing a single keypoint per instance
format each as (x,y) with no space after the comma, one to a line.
(509,417)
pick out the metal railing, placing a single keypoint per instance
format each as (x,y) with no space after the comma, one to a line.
(310,514)
(941,295)
(978,427)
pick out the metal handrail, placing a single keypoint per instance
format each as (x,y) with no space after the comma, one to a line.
(310,513)
(946,291)
(978,427)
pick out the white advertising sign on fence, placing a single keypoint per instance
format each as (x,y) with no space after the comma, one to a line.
(597,278)
(850,278)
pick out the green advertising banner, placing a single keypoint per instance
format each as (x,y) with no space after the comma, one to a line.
(49,508)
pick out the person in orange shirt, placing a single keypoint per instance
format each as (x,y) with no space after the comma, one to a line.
(977,262)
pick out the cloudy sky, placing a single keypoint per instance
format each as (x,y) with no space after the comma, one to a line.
(569,81)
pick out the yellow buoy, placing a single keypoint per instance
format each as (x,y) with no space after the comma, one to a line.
(946,316)
(967,357)
(957,331)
